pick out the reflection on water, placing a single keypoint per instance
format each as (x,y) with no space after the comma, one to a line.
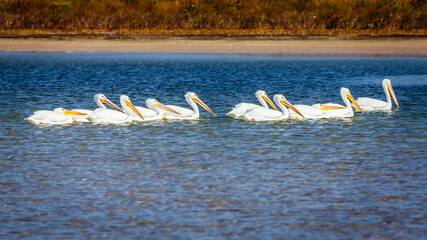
(362,177)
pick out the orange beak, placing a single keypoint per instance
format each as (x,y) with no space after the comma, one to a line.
(129,104)
(201,103)
(268,100)
(75,113)
(349,96)
(107,101)
(289,105)
(164,107)
(392,94)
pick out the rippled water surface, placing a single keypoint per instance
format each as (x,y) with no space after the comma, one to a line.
(362,177)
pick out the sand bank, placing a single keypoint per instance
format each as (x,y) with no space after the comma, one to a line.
(292,46)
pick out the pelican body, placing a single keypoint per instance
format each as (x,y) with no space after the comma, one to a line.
(266,114)
(100,100)
(185,113)
(56,117)
(108,116)
(241,108)
(334,110)
(371,104)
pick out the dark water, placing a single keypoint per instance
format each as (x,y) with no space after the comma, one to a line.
(363,177)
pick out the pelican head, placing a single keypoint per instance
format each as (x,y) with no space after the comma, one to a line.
(388,88)
(345,93)
(192,97)
(263,97)
(100,99)
(68,112)
(153,104)
(280,99)
(128,106)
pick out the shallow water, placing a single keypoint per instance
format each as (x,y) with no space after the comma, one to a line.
(362,177)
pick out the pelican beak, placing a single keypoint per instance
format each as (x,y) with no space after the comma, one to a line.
(392,94)
(327,107)
(129,104)
(164,107)
(74,113)
(349,96)
(289,105)
(201,103)
(268,100)
(107,101)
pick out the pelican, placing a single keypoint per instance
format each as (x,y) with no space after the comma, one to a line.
(188,114)
(243,107)
(265,114)
(370,104)
(56,117)
(99,99)
(334,110)
(156,107)
(101,115)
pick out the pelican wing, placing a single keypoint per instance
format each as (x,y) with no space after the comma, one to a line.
(241,109)
(371,104)
(185,112)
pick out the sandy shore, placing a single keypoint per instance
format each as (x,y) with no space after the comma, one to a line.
(324,46)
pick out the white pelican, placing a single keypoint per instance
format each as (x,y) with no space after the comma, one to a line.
(156,107)
(55,117)
(243,107)
(334,110)
(99,99)
(186,113)
(265,114)
(101,115)
(370,104)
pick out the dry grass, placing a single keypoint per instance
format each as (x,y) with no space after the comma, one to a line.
(215,17)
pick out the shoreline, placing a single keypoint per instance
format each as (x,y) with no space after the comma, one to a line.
(286,45)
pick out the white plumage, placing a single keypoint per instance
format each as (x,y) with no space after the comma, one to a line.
(185,113)
(334,110)
(371,104)
(266,114)
(99,99)
(56,117)
(157,107)
(108,116)
(241,108)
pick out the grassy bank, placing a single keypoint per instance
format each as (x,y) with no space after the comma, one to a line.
(215,17)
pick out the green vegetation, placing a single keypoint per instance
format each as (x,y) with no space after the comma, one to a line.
(213,17)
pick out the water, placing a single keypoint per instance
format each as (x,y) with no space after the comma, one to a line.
(216,178)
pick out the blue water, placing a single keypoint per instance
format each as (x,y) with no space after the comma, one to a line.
(216,178)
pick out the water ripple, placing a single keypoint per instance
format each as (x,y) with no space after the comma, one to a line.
(215,178)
